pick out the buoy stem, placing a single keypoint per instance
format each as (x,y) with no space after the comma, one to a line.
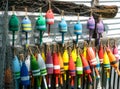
(91,12)
(62,14)
(25,11)
(49,4)
(13,9)
(40,10)
(13,38)
(38,49)
(30,50)
(77,38)
(78,16)
(62,38)
(40,37)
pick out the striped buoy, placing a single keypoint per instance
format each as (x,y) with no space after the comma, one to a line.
(86,67)
(41,23)
(16,67)
(77,29)
(79,70)
(72,71)
(56,67)
(98,61)
(24,74)
(26,24)
(65,59)
(43,69)
(113,60)
(49,66)
(34,66)
(63,28)
(27,62)
(61,67)
(49,17)
(91,55)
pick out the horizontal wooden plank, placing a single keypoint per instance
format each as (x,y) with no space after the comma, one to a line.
(114,26)
(111,21)
(113,32)
(109,3)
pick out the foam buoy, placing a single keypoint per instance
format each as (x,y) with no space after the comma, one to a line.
(49,66)
(115,52)
(61,67)
(72,71)
(106,64)
(25,78)
(13,25)
(16,70)
(101,53)
(62,27)
(43,69)
(91,26)
(79,69)
(86,67)
(8,77)
(65,61)
(27,62)
(77,29)
(92,60)
(26,26)
(56,67)
(41,25)
(74,54)
(98,61)
(49,17)
(100,26)
(113,60)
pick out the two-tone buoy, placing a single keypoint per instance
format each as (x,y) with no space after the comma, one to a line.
(49,66)
(41,25)
(24,74)
(77,29)
(72,69)
(101,53)
(49,17)
(79,69)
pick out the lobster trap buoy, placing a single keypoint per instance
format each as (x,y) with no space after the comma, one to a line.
(24,74)
(101,53)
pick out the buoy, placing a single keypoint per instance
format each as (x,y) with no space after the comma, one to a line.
(41,25)
(49,66)
(101,53)
(13,25)
(106,64)
(77,29)
(91,26)
(71,68)
(98,61)
(86,67)
(16,70)
(85,50)
(25,78)
(92,60)
(43,55)
(62,27)
(26,26)
(79,69)
(43,69)
(49,17)
(74,54)
(115,52)
(8,77)
(100,26)
(27,62)
(113,60)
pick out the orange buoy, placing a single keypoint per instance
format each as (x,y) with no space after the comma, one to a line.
(92,59)
(113,60)
(86,67)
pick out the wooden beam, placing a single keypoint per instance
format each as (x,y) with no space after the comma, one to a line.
(70,8)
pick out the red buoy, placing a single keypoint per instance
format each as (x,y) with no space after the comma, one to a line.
(101,53)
